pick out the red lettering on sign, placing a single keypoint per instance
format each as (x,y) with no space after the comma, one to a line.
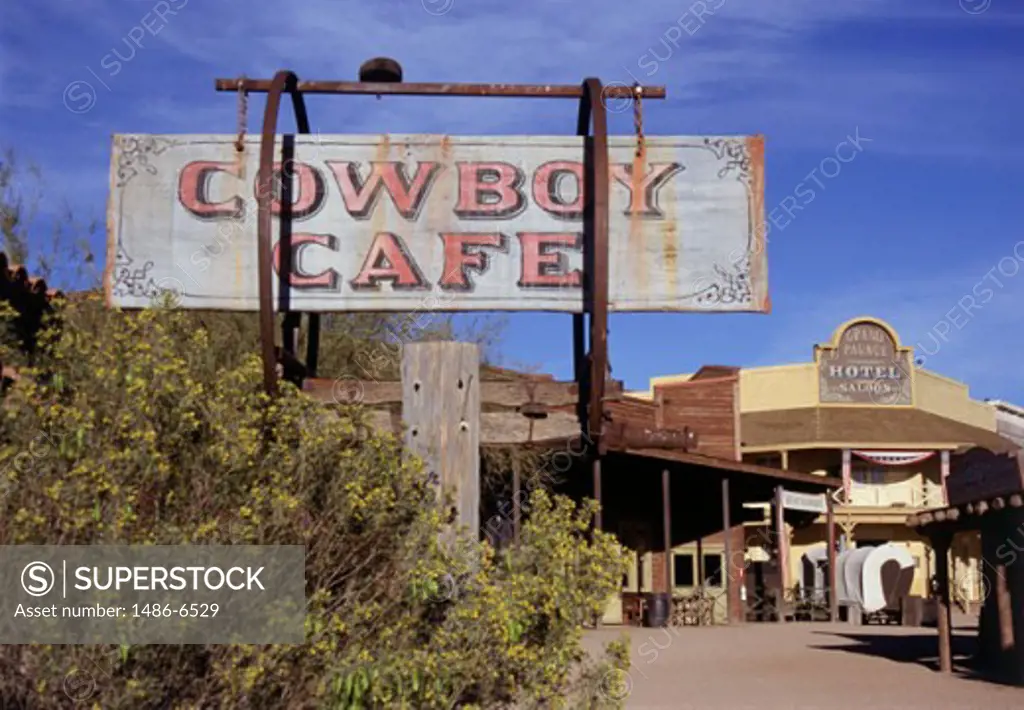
(643,192)
(326,279)
(361,196)
(548,180)
(490,190)
(543,265)
(310,184)
(458,260)
(388,260)
(194,186)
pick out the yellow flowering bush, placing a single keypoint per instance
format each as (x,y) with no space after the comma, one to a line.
(147,428)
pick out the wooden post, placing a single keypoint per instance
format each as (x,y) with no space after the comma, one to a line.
(780,547)
(290,332)
(833,597)
(441,412)
(928,552)
(700,562)
(666,499)
(516,485)
(847,466)
(312,344)
(945,475)
(942,600)
(1004,607)
(599,518)
(727,581)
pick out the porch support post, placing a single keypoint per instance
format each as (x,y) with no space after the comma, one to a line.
(942,541)
(847,466)
(833,597)
(727,580)
(666,503)
(1004,607)
(780,553)
(945,475)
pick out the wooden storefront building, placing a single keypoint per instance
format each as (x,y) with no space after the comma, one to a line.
(673,486)
(986,496)
(861,411)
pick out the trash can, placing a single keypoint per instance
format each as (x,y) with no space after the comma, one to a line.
(656,614)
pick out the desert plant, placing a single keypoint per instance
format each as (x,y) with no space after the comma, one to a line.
(140,432)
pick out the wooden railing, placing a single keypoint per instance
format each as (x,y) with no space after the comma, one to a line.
(905,494)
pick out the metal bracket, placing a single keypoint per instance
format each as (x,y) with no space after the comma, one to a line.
(595,247)
(283,81)
(592,112)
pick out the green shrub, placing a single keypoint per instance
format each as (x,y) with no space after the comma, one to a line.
(139,432)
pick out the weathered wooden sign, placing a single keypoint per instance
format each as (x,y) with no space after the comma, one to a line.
(979,474)
(865,365)
(405,223)
(808,502)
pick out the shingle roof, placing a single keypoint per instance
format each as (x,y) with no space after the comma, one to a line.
(863,425)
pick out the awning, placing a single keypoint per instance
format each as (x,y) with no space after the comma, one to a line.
(807,482)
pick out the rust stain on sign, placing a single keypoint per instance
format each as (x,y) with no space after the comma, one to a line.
(758,260)
(670,242)
(636,231)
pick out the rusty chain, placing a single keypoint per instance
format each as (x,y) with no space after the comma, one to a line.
(243,115)
(638,118)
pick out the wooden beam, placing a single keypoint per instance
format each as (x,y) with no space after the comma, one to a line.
(727,580)
(441,411)
(780,553)
(817,484)
(509,395)
(942,599)
(847,470)
(945,474)
(666,513)
(833,597)
(1004,608)
(516,483)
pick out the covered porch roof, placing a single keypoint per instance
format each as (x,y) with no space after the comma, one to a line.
(862,427)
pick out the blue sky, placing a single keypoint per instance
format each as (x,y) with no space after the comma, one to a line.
(904,232)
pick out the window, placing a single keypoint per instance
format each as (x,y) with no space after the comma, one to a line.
(713,570)
(868,474)
(682,570)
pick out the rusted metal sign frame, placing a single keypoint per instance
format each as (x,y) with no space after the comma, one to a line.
(592,112)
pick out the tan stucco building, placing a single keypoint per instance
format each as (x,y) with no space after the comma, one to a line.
(861,410)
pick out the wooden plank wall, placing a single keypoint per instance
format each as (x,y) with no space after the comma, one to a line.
(640,413)
(708,405)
